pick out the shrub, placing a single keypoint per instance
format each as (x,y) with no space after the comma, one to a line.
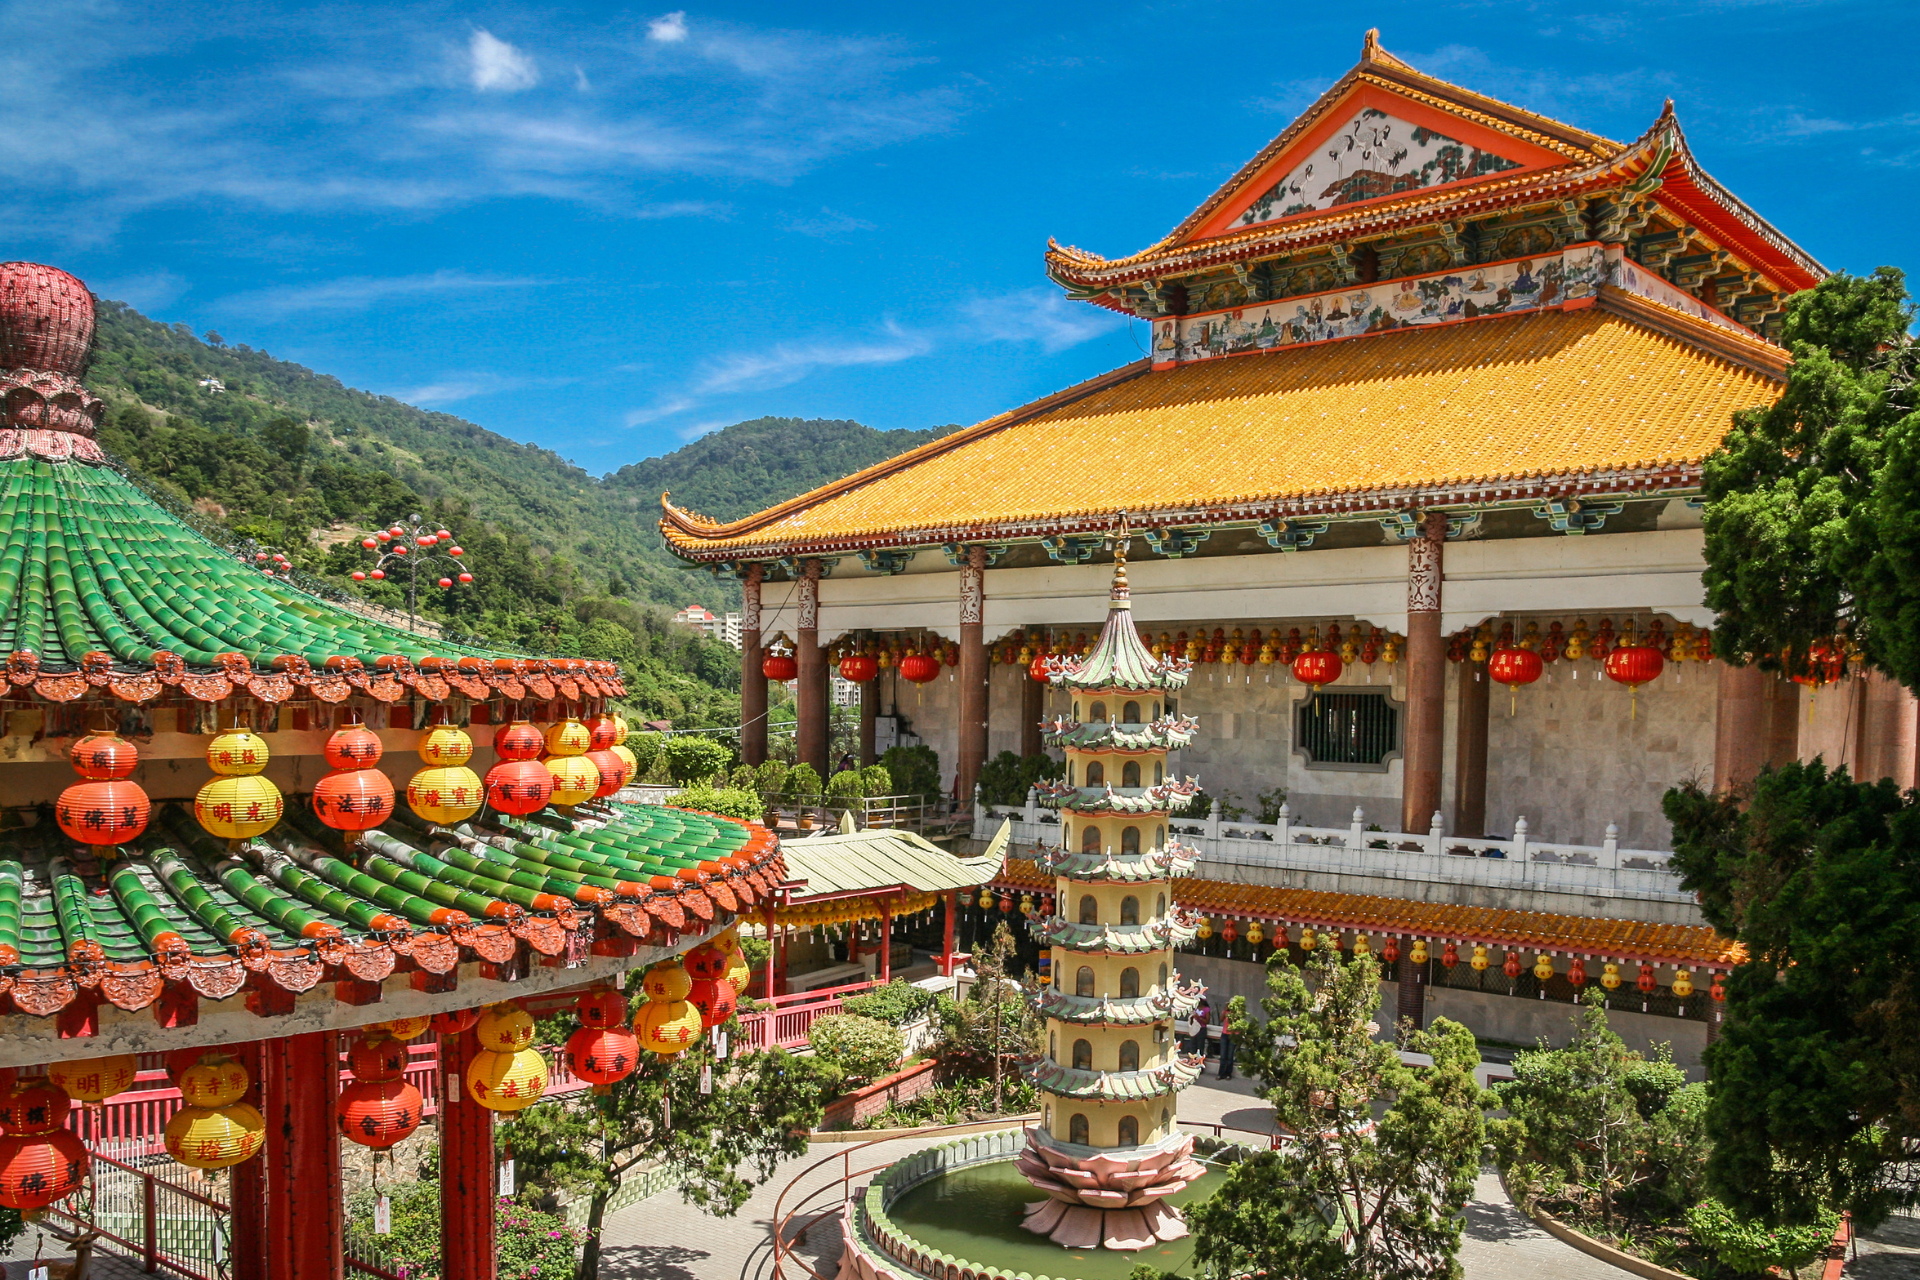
(863,1048)
(731,802)
(914,771)
(897,1003)
(1751,1247)
(531,1245)
(646,752)
(744,778)
(878,781)
(1007,777)
(693,757)
(803,781)
(770,779)
(847,785)
(412,1248)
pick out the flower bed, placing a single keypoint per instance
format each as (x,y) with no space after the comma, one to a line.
(870,1100)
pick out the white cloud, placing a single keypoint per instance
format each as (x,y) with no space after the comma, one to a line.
(1040,315)
(498,65)
(147,292)
(830,225)
(669,28)
(357,293)
(787,363)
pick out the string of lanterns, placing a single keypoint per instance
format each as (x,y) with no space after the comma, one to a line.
(508,1074)
(379,1107)
(215,1130)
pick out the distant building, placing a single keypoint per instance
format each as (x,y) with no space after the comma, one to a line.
(724,629)
(845,693)
(213,384)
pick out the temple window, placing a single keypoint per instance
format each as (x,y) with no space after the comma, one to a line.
(1166,1119)
(1129,1131)
(1077,1130)
(1163,968)
(1083,1055)
(1076,708)
(1083,982)
(1348,730)
(1130,905)
(1156,711)
(1097,714)
(1130,714)
(1130,774)
(1160,909)
(1159,773)
(1159,837)
(1090,839)
(1096,773)
(1089,909)
(1130,1055)
(1070,781)
(1053,1049)
(1130,842)
(1129,983)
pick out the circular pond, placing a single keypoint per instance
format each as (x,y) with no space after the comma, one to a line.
(974,1212)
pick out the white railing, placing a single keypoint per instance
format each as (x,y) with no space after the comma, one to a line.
(1241,851)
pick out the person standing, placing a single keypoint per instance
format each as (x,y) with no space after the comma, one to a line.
(1202,1015)
(1226,1047)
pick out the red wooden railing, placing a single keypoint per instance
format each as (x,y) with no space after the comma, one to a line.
(784,1021)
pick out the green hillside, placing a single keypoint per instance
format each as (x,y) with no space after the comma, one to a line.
(564,561)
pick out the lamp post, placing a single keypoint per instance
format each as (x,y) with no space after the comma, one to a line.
(416,546)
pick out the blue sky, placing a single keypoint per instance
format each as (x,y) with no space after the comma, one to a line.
(609,229)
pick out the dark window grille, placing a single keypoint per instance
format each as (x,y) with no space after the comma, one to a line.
(1348,728)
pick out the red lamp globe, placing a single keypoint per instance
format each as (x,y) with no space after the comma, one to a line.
(519,741)
(354,800)
(1634,664)
(353,746)
(614,772)
(519,786)
(378,1113)
(101,756)
(716,1000)
(378,575)
(109,812)
(1317,667)
(359,576)
(453,1023)
(859,668)
(602,1055)
(1514,667)
(1037,670)
(602,1007)
(920,667)
(466,577)
(780,666)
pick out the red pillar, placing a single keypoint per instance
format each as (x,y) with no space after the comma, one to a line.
(886,944)
(1742,725)
(299,1081)
(248,1248)
(869,717)
(773,949)
(753,682)
(811,693)
(1426,678)
(974,672)
(467,1175)
(946,941)
(1470,751)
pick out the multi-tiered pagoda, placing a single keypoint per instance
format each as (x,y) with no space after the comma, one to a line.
(1106,1151)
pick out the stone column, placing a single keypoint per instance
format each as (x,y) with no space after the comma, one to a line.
(753,682)
(468,1178)
(1783,721)
(869,712)
(1421,760)
(1470,751)
(299,1083)
(811,692)
(1033,705)
(1887,731)
(1743,725)
(1412,981)
(973,672)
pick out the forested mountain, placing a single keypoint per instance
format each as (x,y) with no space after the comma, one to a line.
(563,561)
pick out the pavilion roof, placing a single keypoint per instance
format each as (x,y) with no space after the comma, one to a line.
(882,859)
(1495,926)
(1624,395)
(286,911)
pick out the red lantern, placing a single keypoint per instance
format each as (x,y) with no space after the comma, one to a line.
(780,666)
(1512,967)
(859,668)
(102,812)
(38,1107)
(604,732)
(1390,953)
(1717,991)
(715,998)
(602,1055)
(1317,667)
(602,1007)
(1514,667)
(1634,664)
(920,667)
(1037,669)
(452,1024)
(613,772)
(707,961)
(39,1168)
(1229,933)
(519,741)
(1577,973)
(1648,985)
(377,1057)
(352,745)
(1450,955)
(519,786)
(378,1113)
(103,756)
(353,800)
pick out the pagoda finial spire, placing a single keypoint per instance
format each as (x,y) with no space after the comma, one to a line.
(1120,597)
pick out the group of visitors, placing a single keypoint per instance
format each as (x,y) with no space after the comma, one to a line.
(1199,1043)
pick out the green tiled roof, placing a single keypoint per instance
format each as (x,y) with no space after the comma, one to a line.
(1118,661)
(1114,939)
(1164,734)
(1167,797)
(1114,1086)
(1129,868)
(177,906)
(1116,1011)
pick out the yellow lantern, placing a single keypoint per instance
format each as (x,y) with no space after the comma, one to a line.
(1480,959)
(504,1028)
(215,1137)
(1255,936)
(507,1081)
(667,982)
(446,795)
(1610,976)
(620,730)
(1542,966)
(986,898)
(237,753)
(214,1081)
(1026,904)
(628,758)
(95,1079)
(569,738)
(445,745)
(1309,938)
(1205,930)
(1418,951)
(1362,945)
(667,1026)
(238,807)
(574,777)
(1682,983)
(738,972)
(405,1028)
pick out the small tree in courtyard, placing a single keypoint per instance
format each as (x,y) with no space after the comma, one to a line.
(1383,1155)
(994,1028)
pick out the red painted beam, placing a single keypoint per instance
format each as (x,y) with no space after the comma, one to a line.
(299,1082)
(467,1172)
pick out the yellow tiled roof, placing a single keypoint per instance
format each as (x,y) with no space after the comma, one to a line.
(1546,931)
(1433,411)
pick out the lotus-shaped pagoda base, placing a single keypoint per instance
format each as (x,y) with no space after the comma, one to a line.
(1108,1199)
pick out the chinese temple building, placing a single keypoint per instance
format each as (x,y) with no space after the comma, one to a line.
(1106,1152)
(249,830)
(1430,384)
